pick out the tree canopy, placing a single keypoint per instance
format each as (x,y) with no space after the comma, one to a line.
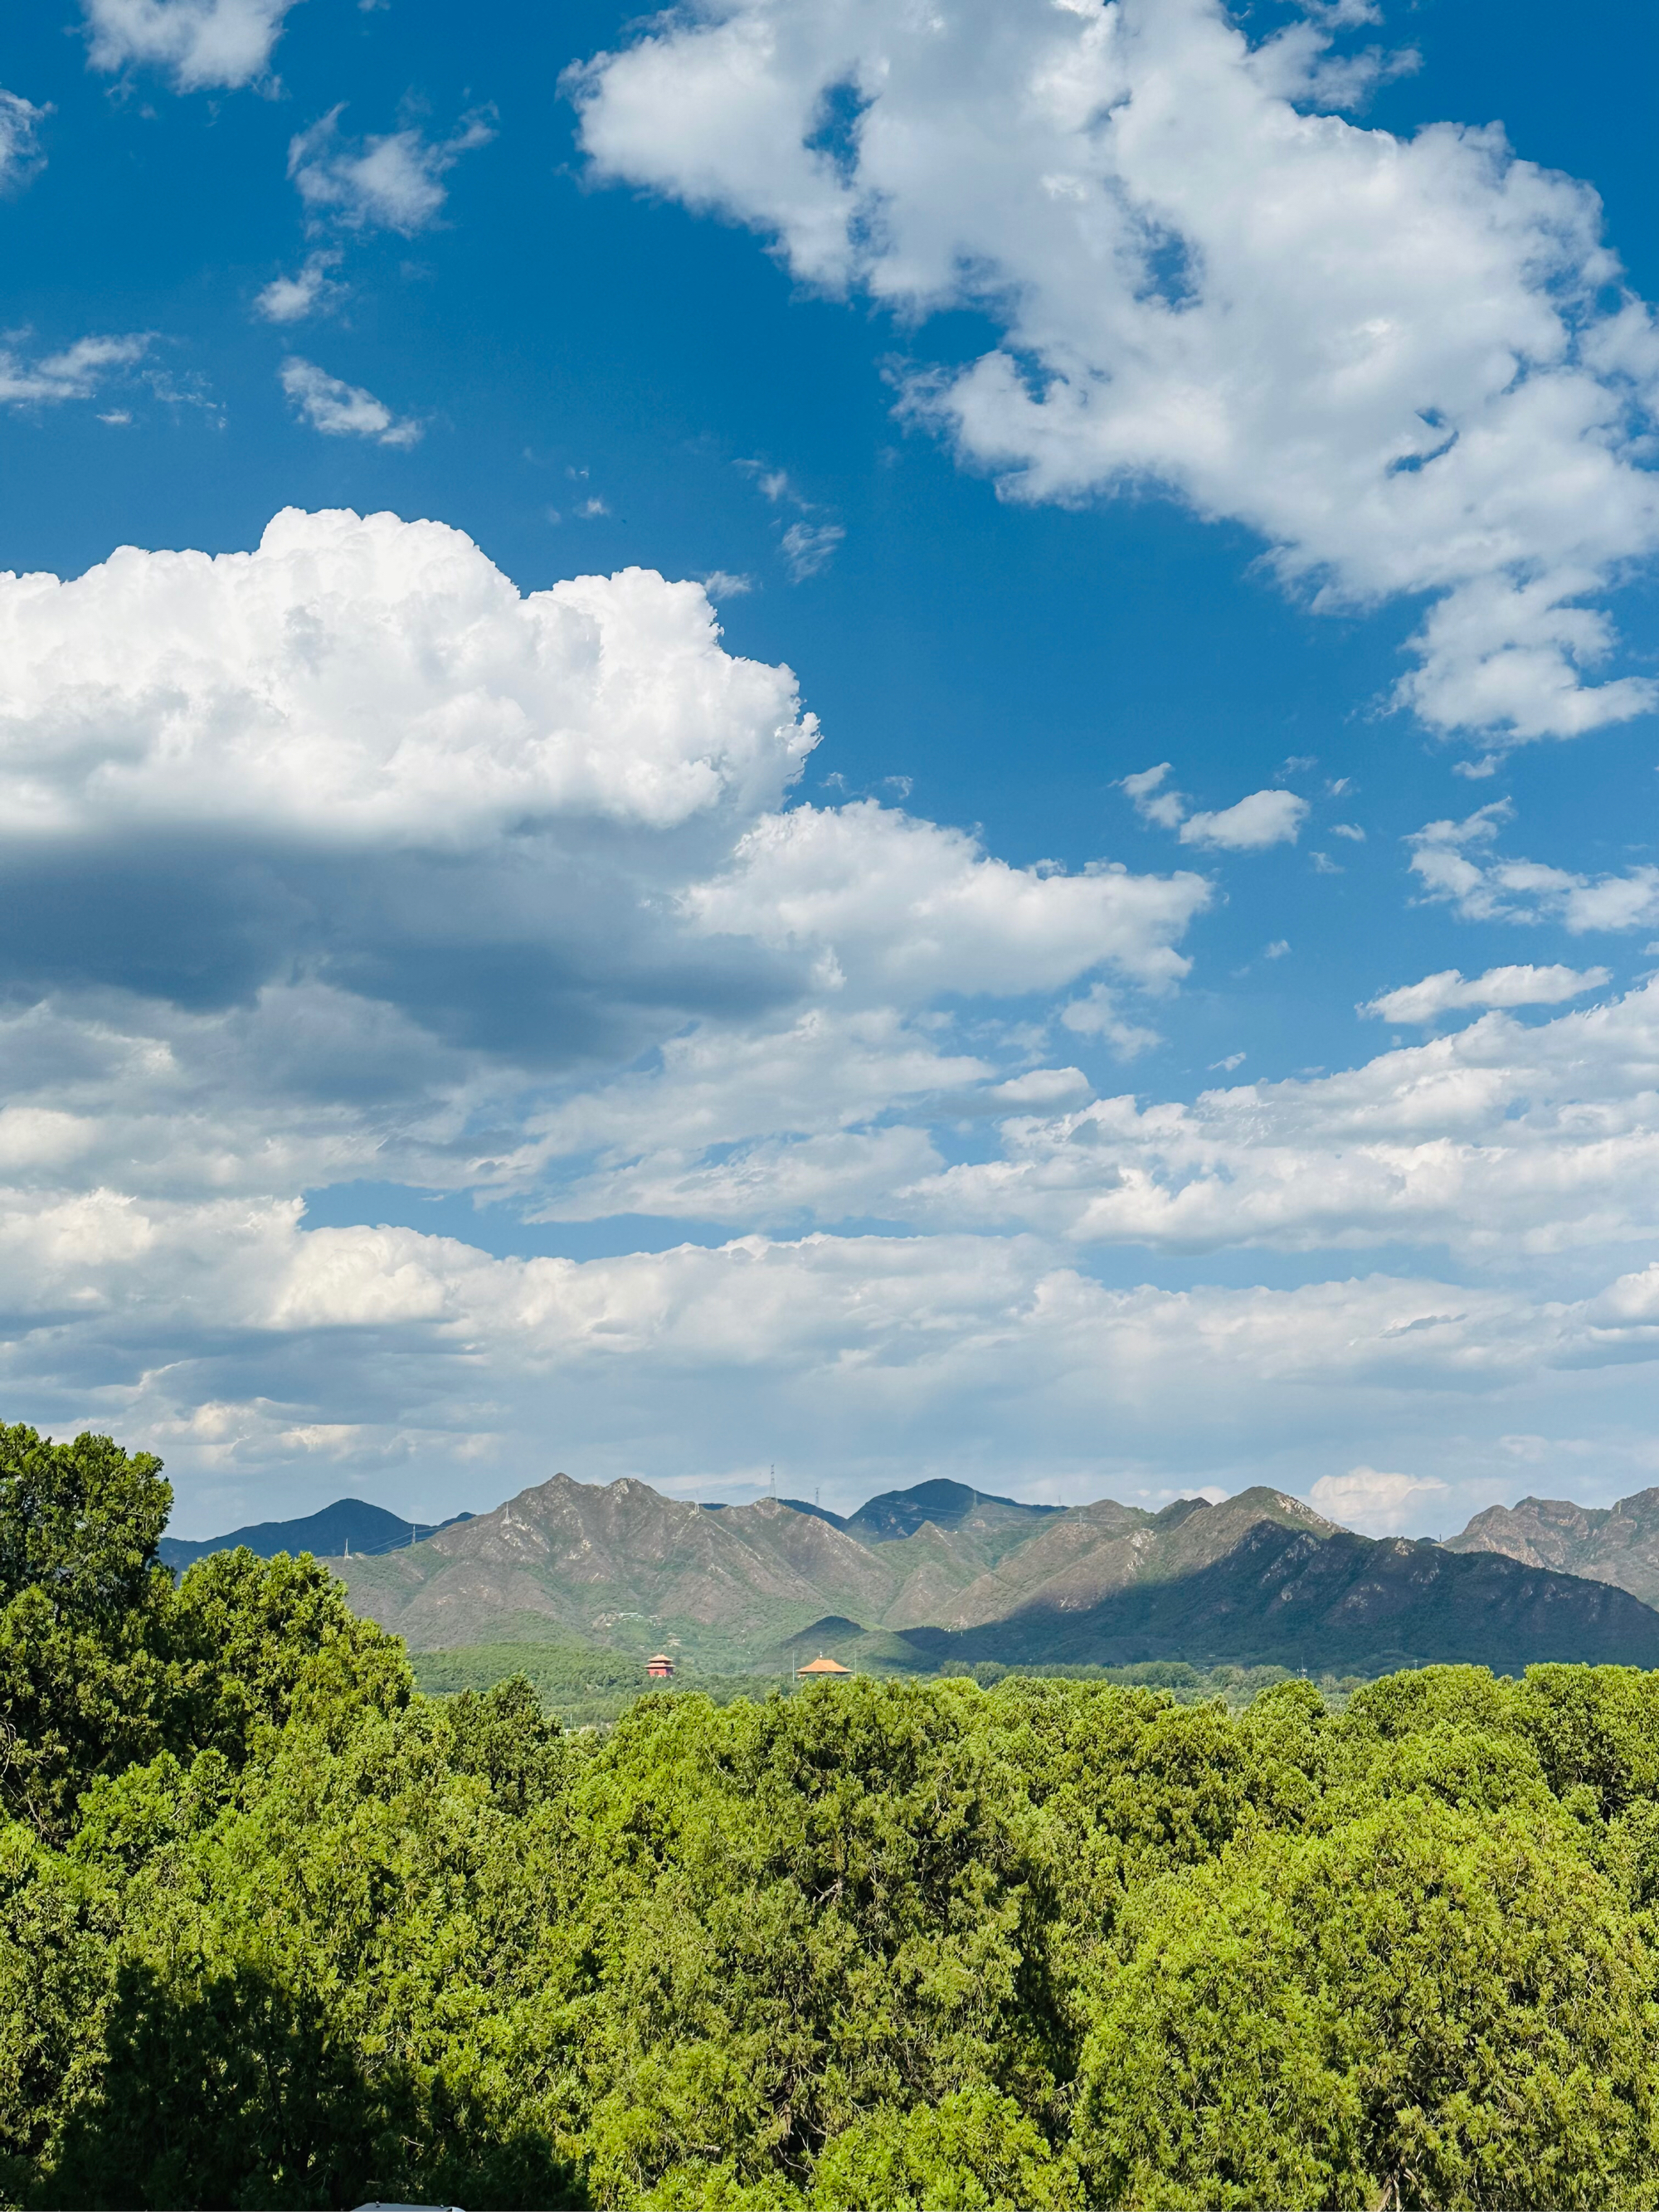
(277,1929)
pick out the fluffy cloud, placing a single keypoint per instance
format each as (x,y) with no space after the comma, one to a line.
(367,680)
(358,757)
(201,43)
(855,1360)
(339,410)
(1153,800)
(21,157)
(1451,992)
(906,908)
(1499,1140)
(1265,818)
(1262,819)
(291,299)
(342,862)
(77,372)
(1393,359)
(1452,861)
(390,183)
(321,855)
(1378,1505)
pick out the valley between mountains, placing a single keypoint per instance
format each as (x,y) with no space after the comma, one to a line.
(943,1576)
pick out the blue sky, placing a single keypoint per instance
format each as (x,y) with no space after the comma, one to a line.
(463,1021)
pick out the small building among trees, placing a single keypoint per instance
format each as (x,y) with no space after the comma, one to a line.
(816,1670)
(660,1668)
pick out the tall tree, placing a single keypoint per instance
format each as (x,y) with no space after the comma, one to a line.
(81,1606)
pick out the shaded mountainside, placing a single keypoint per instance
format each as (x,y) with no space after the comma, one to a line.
(1615,1544)
(349,1523)
(1259,1580)
(1278,1595)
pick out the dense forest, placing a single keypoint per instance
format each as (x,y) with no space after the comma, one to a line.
(586,1685)
(276,1929)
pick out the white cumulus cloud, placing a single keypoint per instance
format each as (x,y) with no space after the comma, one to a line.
(1406,363)
(1454,862)
(78,372)
(901,907)
(1251,825)
(292,299)
(1377,1504)
(393,182)
(1265,818)
(1451,992)
(301,687)
(339,410)
(1153,799)
(202,43)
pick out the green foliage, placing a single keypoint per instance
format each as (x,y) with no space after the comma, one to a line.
(254,1641)
(80,1594)
(328,1983)
(1236,1686)
(585,1683)
(589,1684)
(800,1911)
(278,1928)
(972,2151)
(1423,2008)
(59,1928)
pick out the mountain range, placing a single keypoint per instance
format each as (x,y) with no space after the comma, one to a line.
(624,1566)
(350,1524)
(955,1574)
(1615,1544)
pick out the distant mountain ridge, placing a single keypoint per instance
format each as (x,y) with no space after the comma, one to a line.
(349,1523)
(1259,1579)
(1617,1544)
(896,1514)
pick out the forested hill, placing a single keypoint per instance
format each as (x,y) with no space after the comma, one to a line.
(1260,1579)
(275,1929)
